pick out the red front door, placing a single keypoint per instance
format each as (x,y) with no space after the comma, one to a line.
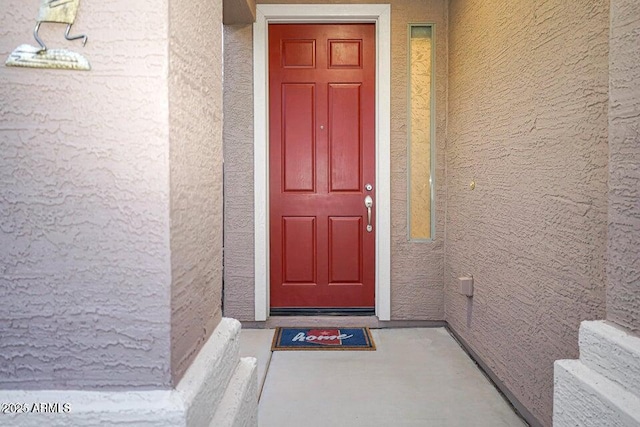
(322,156)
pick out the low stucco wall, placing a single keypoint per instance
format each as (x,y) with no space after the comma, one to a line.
(195,119)
(84,221)
(623,263)
(528,122)
(416,267)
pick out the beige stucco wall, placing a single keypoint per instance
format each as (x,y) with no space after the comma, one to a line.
(528,121)
(623,266)
(84,196)
(195,119)
(417,268)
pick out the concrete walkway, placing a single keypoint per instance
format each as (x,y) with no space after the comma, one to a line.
(416,377)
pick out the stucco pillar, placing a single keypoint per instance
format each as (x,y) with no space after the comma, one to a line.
(603,386)
(111,224)
(84,199)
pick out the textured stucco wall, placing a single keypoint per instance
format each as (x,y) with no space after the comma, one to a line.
(84,195)
(528,121)
(416,268)
(239,284)
(623,266)
(195,101)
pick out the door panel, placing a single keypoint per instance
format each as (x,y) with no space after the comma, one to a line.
(321,155)
(345,167)
(345,257)
(299,246)
(345,53)
(298,53)
(298,137)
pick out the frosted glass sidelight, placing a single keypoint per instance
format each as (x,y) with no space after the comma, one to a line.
(420,132)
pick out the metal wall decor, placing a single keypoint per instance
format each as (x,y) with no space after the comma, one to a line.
(59,12)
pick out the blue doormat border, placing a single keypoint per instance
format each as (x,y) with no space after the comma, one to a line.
(323,339)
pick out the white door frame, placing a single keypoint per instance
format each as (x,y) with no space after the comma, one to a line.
(380,14)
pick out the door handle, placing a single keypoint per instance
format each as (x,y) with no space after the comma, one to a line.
(368,203)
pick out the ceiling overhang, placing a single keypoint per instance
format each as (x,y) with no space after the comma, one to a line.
(238,12)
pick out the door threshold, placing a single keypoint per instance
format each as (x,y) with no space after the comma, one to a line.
(318,321)
(324,311)
(339,321)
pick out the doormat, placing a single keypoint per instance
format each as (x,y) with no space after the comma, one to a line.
(323,339)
